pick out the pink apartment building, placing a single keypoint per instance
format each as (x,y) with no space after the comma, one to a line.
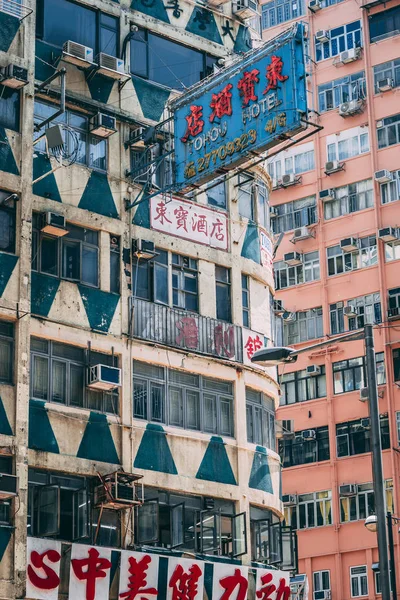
(337,201)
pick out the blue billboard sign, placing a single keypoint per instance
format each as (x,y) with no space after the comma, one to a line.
(241,111)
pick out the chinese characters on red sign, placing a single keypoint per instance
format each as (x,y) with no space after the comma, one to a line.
(247,85)
(252,345)
(195,123)
(221,103)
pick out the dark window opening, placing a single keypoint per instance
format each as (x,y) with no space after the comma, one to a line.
(9,108)
(115,264)
(223,293)
(6,351)
(7,222)
(353,437)
(301,451)
(384,24)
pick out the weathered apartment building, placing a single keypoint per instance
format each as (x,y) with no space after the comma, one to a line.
(126,332)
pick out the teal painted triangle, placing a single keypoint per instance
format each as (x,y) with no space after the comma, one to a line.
(142,215)
(154,453)
(5,427)
(9,26)
(152,99)
(251,244)
(46,187)
(97,196)
(243,41)
(215,465)
(43,291)
(5,536)
(100,88)
(202,22)
(260,476)
(153,8)
(99,306)
(97,442)
(7,160)
(7,265)
(41,434)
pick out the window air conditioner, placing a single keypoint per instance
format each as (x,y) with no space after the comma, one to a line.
(285,429)
(314,5)
(383,176)
(289,499)
(384,85)
(349,244)
(322,36)
(389,234)
(350,311)
(77,54)
(8,486)
(394,313)
(365,423)
(288,180)
(348,56)
(103,125)
(327,195)
(289,317)
(308,435)
(246,9)
(13,76)
(323,595)
(273,212)
(332,166)
(348,490)
(136,137)
(348,109)
(364,394)
(110,66)
(293,258)
(103,377)
(313,370)
(117,491)
(302,233)
(54,224)
(143,249)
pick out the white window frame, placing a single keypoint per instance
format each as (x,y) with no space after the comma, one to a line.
(390,191)
(319,46)
(358,577)
(392,251)
(383,131)
(347,202)
(276,167)
(352,261)
(387,70)
(345,89)
(307,272)
(318,581)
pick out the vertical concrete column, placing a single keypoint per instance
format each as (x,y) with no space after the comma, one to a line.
(207,296)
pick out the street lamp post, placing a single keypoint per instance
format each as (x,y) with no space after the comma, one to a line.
(275,356)
(371,523)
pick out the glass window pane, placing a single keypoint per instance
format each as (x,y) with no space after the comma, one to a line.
(90,265)
(40,377)
(77,379)
(59,381)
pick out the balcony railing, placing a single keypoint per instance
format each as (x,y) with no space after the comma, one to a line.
(15,9)
(186,330)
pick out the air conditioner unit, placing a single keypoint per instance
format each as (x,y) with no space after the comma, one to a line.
(383,176)
(293,258)
(13,77)
(136,137)
(302,233)
(364,397)
(117,490)
(143,249)
(384,85)
(350,311)
(365,423)
(394,312)
(323,595)
(278,307)
(389,234)
(349,244)
(289,317)
(348,109)
(54,224)
(332,166)
(348,56)
(103,377)
(246,9)
(288,180)
(308,435)
(273,212)
(110,66)
(327,195)
(289,499)
(313,370)
(314,5)
(284,429)
(8,486)
(348,490)
(322,36)
(77,54)
(103,125)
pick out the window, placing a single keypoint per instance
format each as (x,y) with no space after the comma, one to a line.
(322,581)
(276,323)
(306,326)
(390,192)
(7,222)
(300,386)
(287,276)
(260,419)
(358,581)
(58,374)
(353,437)
(279,11)
(299,451)
(295,214)
(164,61)
(223,293)
(184,283)
(60,20)
(387,70)
(312,510)
(396,364)
(61,506)
(75,256)
(378,589)
(343,262)
(392,251)
(362,504)
(345,89)
(340,147)
(245,301)
(9,108)
(216,195)
(92,150)
(350,198)
(368,310)
(286,164)
(253,199)
(6,506)
(349,375)
(341,38)
(388,131)
(182,399)
(6,352)
(115,266)
(384,24)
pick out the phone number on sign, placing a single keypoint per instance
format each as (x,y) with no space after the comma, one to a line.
(237,145)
